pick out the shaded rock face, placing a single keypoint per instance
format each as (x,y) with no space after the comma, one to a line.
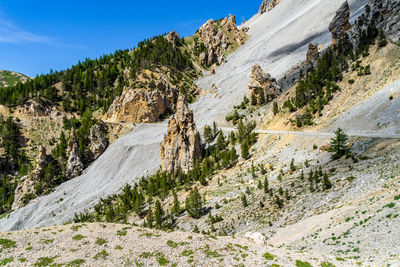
(312,53)
(142,105)
(218,36)
(268,5)
(340,23)
(25,187)
(386,16)
(27,184)
(263,81)
(74,162)
(98,139)
(173,37)
(181,146)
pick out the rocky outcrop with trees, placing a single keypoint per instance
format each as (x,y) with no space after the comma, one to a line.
(262,87)
(181,146)
(340,23)
(216,38)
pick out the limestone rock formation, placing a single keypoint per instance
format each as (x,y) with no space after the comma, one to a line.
(173,37)
(27,184)
(312,53)
(268,5)
(218,36)
(181,145)
(38,109)
(98,139)
(141,105)
(261,81)
(25,187)
(74,162)
(340,23)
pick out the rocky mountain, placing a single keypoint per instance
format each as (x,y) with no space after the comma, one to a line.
(254,169)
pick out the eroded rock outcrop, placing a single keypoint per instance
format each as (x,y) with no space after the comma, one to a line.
(142,105)
(26,187)
(98,139)
(263,84)
(340,23)
(268,5)
(181,146)
(312,53)
(74,163)
(173,37)
(218,37)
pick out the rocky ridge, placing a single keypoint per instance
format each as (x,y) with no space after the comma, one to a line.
(181,146)
(268,5)
(219,37)
(340,23)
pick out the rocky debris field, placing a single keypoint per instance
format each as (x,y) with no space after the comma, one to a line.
(122,245)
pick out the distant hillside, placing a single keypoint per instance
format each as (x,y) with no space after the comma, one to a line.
(11,78)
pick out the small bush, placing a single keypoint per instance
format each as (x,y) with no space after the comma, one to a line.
(268,256)
(101,241)
(101,255)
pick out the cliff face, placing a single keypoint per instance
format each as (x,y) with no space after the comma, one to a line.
(340,23)
(181,146)
(143,105)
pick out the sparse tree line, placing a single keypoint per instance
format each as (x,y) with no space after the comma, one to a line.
(144,198)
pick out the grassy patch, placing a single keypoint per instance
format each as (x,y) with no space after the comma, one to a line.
(78,237)
(187,252)
(48,241)
(22,259)
(101,255)
(100,241)
(44,261)
(172,244)
(300,263)
(269,256)
(118,247)
(77,262)
(162,261)
(327,264)
(7,243)
(122,232)
(6,261)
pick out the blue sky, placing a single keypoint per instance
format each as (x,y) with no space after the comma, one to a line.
(36,36)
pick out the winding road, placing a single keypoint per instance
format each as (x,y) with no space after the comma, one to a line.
(320,134)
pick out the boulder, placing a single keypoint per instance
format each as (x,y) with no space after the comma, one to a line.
(256,238)
(340,23)
(181,145)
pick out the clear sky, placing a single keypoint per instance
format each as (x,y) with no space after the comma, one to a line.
(36,36)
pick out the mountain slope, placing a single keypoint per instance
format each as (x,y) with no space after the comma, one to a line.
(130,158)
(11,78)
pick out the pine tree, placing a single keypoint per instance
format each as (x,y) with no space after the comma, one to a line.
(275,108)
(193,204)
(176,209)
(158,214)
(220,142)
(208,135)
(244,200)
(150,219)
(326,183)
(338,144)
(266,186)
(245,150)
(292,166)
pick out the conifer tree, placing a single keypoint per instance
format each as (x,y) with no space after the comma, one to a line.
(193,204)
(176,209)
(338,144)
(158,214)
